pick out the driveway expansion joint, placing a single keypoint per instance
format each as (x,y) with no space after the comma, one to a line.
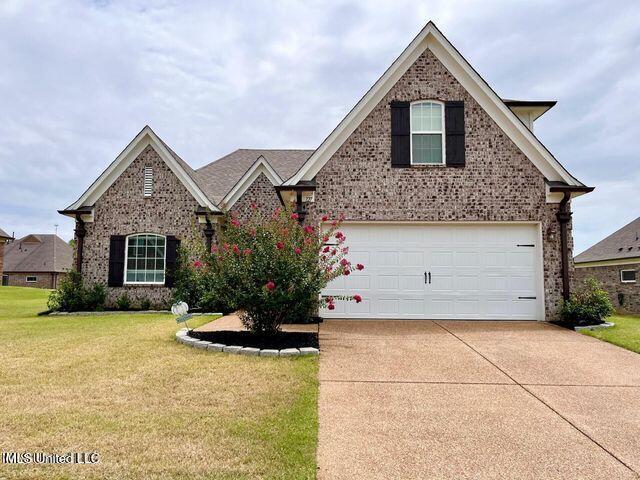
(524,387)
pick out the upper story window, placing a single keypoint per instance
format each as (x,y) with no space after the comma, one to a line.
(145,259)
(427,133)
(148,181)
(628,276)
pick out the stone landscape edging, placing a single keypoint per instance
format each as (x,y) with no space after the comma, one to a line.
(182,336)
(595,327)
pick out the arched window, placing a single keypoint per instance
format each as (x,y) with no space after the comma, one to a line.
(427,133)
(145,259)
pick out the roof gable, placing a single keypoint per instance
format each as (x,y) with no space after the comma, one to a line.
(222,175)
(146,137)
(260,167)
(431,38)
(621,244)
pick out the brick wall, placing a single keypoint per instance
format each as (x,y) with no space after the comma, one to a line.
(609,277)
(262,194)
(1,257)
(123,210)
(44,280)
(498,182)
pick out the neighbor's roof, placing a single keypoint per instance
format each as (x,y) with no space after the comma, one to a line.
(624,243)
(4,234)
(38,253)
(220,176)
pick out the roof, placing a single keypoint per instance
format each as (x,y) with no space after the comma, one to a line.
(431,38)
(144,138)
(220,176)
(38,253)
(4,234)
(624,243)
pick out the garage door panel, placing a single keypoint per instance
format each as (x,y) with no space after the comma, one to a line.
(478,271)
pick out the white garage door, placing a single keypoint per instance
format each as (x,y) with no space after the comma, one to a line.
(445,271)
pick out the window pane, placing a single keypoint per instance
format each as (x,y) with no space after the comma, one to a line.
(159,264)
(426,117)
(131,276)
(145,262)
(427,149)
(160,277)
(628,275)
(131,263)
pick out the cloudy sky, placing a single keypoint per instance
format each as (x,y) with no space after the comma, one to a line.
(78,79)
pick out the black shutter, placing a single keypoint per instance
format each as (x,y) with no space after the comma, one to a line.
(172,254)
(116,260)
(400,134)
(454,131)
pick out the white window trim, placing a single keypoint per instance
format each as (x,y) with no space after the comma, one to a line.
(147,183)
(628,281)
(427,132)
(126,260)
(31,281)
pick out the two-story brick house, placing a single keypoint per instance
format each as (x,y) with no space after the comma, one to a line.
(455,206)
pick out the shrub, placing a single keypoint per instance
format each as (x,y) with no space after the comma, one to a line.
(145,304)
(273,270)
(123,302)
(588,305)
(73,296)
(194,282)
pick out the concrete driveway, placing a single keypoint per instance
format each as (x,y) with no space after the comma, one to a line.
(423,400)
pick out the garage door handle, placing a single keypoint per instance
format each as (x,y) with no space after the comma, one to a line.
(427,278)
(526,298)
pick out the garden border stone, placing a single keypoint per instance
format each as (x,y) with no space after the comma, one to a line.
(182,336)
(595,327)
(122,312)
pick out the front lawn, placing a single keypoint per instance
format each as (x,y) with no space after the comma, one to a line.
(152,408)
(626,332)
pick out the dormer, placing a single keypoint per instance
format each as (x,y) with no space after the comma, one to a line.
(528,111)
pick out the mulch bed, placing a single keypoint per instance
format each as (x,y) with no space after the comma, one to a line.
(248,339)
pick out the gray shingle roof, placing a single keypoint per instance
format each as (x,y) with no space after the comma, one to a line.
(218,178)
(38,253)
(4,234)
(624,243)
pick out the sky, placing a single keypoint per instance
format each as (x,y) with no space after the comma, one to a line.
(79,79)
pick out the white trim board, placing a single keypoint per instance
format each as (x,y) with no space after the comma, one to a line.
(141,141)
(260,166)
(431,38)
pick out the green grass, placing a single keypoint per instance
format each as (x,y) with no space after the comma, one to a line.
(626,332)
(152,408)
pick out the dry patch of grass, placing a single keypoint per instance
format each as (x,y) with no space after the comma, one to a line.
(152,408)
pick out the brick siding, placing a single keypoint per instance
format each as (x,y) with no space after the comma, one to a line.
(261,193)
(498,182)
(44,279)
(123,210)
(609,278)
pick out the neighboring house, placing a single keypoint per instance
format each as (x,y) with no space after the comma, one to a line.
(38,260)
(450,200)
(615,263)
(4,238)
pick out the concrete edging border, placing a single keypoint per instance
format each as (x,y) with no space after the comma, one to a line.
(182,336)
(595,327)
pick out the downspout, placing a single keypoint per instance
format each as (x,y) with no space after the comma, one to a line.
(564,216)
(80,232)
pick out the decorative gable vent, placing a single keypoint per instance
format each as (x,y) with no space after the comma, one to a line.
(148,181)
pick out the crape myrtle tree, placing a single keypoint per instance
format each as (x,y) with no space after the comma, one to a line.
(273,269)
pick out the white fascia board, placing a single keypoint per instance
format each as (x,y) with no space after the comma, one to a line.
(430,37)
(141,141)
(260,166)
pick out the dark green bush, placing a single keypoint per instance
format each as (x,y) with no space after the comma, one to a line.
(123,302)
(145,304)
(588,305)
(73,296)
